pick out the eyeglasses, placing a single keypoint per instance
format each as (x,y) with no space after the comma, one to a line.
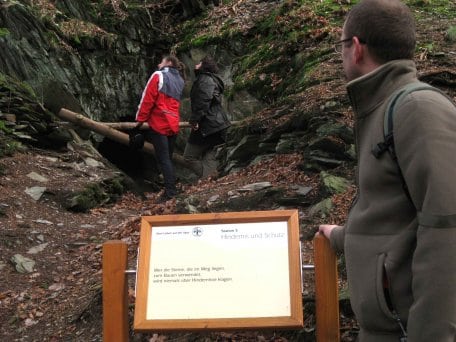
(338,45)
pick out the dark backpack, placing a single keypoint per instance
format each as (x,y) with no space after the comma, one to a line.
(388,133)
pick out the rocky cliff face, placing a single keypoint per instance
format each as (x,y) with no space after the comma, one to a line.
(75,55)
(94,58)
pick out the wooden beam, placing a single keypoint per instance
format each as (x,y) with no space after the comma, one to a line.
(115,292)
(326,291)
(125,126)
(109,132)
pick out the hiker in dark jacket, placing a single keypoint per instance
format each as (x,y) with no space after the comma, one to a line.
(208,120)
(399,244)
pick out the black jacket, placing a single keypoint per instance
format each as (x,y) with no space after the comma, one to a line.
(206,103)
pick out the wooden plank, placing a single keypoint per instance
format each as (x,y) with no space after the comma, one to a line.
(115,292)
(326,291)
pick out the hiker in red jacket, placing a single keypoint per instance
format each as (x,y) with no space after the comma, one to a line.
(159,107)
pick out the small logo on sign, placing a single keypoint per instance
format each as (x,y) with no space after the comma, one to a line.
(197,231)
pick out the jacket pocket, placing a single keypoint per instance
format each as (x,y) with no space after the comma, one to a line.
(382,287)
(368,296)
(173,121)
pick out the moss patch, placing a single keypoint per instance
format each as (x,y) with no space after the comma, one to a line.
(4,31)
(444,8)
(96,194)
(450,34)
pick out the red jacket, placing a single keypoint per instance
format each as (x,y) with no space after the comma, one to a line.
(160,101)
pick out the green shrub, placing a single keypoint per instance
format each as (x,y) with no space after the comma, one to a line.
(4,31)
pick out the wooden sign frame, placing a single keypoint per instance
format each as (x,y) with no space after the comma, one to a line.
(156,229)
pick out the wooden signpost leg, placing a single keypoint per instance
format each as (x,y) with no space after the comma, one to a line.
(115,292)
(326,291)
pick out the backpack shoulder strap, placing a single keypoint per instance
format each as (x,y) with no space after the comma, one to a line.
(388,138)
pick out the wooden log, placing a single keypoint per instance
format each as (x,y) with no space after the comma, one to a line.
(109,132)
(326,291)
(115,291)
(125,126)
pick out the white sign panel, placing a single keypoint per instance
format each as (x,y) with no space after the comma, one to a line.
(215,271)
(206,271)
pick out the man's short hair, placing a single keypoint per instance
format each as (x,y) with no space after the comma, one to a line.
(386,26)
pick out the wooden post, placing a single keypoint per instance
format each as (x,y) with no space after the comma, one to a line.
(326,291)
(115,292)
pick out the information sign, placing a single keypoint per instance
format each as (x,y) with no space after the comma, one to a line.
(219,271)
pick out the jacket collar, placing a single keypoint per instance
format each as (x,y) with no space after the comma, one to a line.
(169,69)
(369,91)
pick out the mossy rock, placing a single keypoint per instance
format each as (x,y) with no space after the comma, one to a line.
(334,184)
(96,194)
(40,124)
(322,208)
(450,34)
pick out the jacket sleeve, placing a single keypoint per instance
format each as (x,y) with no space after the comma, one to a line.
(425,143)
(337,238)
(201,98)
(148,99)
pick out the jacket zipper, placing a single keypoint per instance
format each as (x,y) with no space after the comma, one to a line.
(403,337)
(389,301)
(356,129)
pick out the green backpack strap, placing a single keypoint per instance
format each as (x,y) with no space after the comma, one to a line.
(388,138)
(388,133)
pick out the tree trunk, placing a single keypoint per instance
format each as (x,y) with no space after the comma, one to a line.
(125,126)
(110,132)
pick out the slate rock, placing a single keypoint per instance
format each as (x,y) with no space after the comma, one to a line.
(23,264)
(37,249)
(255,186)
(322,208)
(3,209)
(35,192)
(245,149)
(37,177)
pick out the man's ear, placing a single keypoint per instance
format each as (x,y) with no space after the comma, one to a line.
(358,50)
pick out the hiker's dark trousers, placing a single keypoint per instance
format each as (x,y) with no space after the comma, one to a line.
(164,147)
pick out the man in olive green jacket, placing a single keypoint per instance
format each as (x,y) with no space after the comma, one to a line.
(399,244)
